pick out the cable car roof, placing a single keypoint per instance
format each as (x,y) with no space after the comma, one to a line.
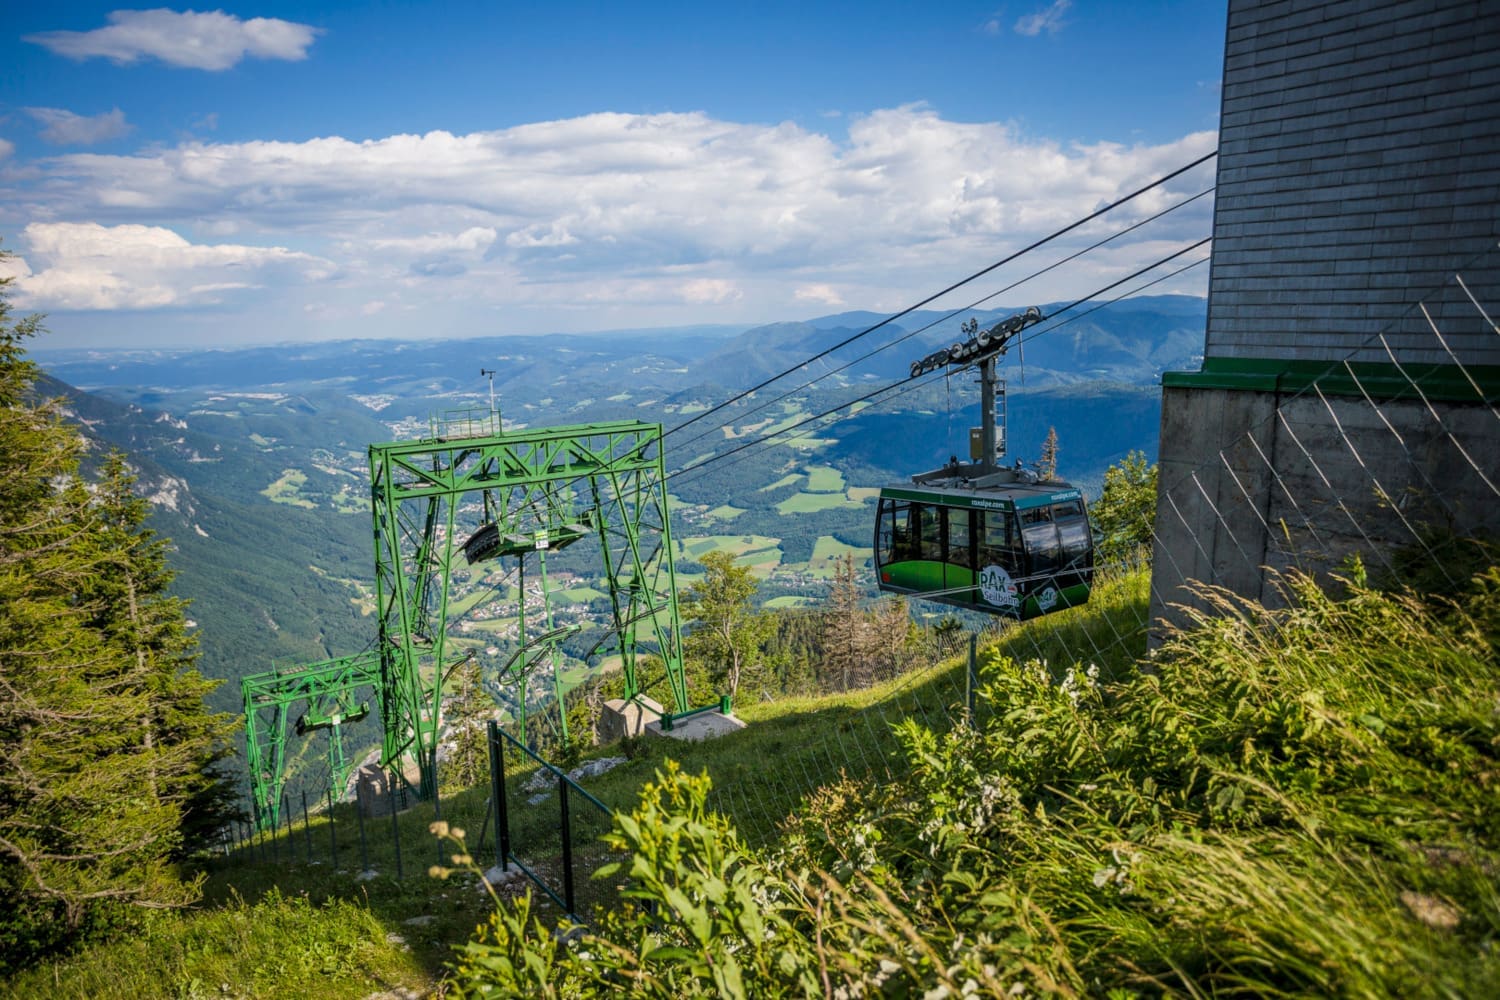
(1011,496)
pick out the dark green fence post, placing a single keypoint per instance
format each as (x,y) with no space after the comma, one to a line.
(567,844)
(306,827)
(333,837)
(390,785)
(972,680)
(359,812)
(497,796)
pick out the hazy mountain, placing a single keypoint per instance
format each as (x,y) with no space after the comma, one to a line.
(255,459)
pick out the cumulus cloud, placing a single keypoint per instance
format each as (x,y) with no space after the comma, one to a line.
(822,294)
(64,128)
(86,266)
(1048,19)
(640,214)
(6,148)
(210,40)
(707,291)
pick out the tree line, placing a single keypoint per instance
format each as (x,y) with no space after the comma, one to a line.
(109,760)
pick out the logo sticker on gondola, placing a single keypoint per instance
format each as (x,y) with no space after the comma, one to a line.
(997,588)
(1047,599)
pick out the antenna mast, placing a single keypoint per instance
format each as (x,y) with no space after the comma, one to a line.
(490,372)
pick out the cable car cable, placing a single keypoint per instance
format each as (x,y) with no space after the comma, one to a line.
(943,319)
(913,384)
(870,395)
(958,284)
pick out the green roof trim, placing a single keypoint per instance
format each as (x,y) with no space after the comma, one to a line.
(1448,383)
(1011,496)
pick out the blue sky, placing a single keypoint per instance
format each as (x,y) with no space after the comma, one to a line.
(285,172)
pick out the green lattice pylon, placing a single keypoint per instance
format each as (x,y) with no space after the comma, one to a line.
(329,689)
(473,491)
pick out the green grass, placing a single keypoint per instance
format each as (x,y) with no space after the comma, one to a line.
(349,500)
(699,546)
(481,594)
(1296,801)
(824,479)
(293,921)
(279,946)
(725,512)
(828,552)
(790,601)
(788,480)
(287,489)
(811,503)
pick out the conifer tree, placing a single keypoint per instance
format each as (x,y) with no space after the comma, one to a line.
(1046,466)
(846,634)
(99,748)
(147,629)
(729,632)
(468,712)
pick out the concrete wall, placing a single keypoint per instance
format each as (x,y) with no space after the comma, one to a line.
(1259,480)
(1359,172)
(1359,168)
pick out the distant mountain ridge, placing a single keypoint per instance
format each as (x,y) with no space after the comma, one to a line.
(255,459)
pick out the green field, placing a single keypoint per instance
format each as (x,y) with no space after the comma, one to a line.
(736,545)
(787,480)
(828,552)
(809,503)
(725,512)
(287,489)
(349,500)
(824,479)
(791,601)
(805,444)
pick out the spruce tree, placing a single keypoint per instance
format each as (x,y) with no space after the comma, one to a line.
(846,641)
(728,633)
(95,770)
(147,629)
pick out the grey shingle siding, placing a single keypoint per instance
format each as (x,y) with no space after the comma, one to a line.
(1359,170)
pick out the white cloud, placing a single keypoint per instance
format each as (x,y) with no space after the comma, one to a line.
(1049,19)
(473,238)
(64,128)
(86,266)
(710,291)
(607,218)
(6,148)
(211,40)
(823,294)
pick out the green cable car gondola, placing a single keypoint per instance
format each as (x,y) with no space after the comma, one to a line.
(979,535)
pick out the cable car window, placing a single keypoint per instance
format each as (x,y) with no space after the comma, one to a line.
(930,532)
(895,531)
(1076,542)
(1000,542)
(1036,515)
(959,551)
(1069,508)
(1043,552)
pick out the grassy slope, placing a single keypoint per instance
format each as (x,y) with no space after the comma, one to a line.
(1297,802)
(318,929)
